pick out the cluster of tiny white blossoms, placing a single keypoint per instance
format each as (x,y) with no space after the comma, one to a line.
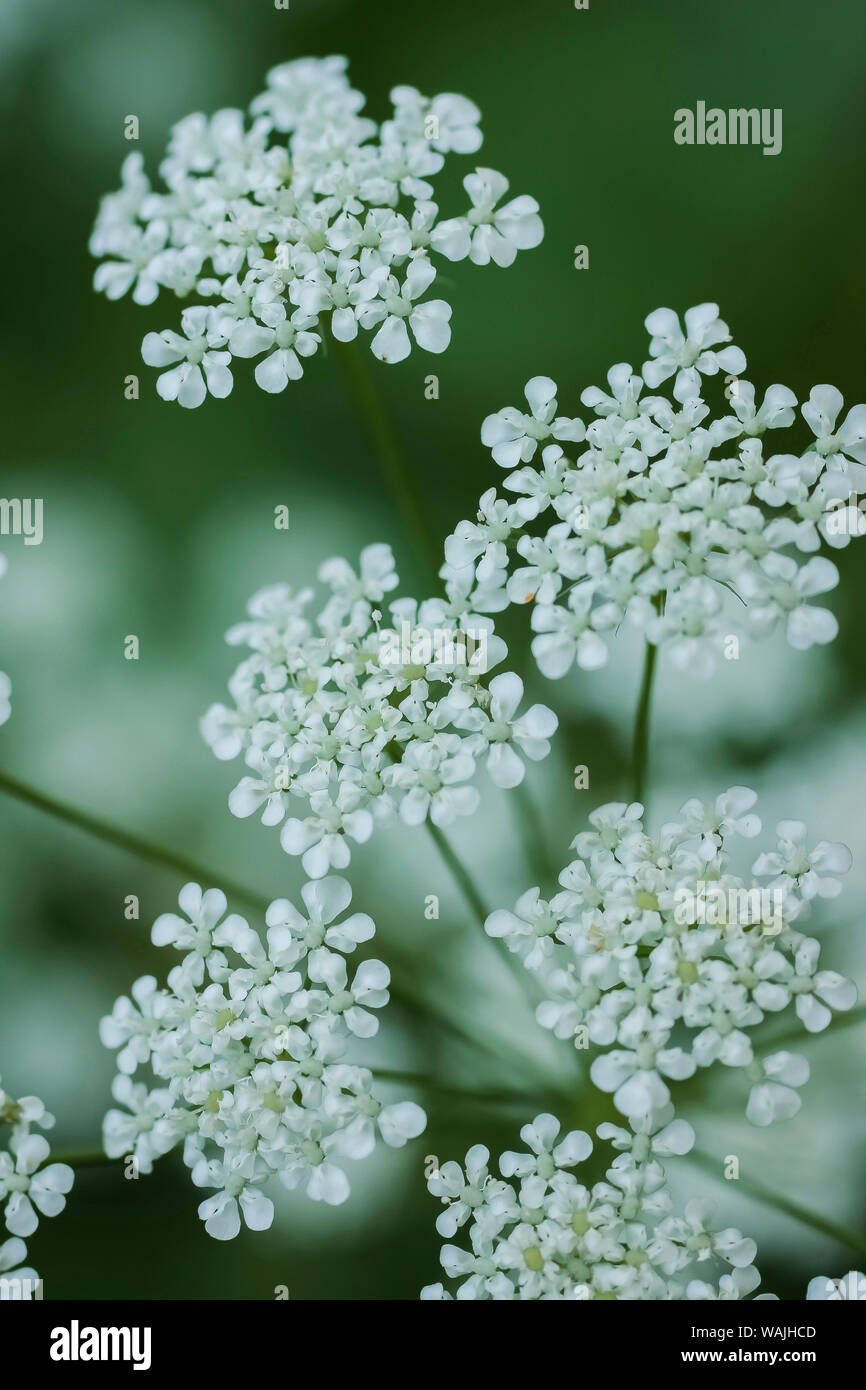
(247,1046)
(29,1185)
(538,1232)
(692,529)
(5,683)
(656,950)
(367,723)
(300,215)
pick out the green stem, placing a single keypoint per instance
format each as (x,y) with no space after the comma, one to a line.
(413,511)
(82,1158)
(401,992)
(460,874)
(493,1096)
(784,1204)
(122,839)
(529,821)
(640,740)
(480,911)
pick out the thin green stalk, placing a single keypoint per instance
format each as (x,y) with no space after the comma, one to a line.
(480,911)
(529,821)
(187,868)
(460,874)
(777,1200)
(493,1096)
(640,740)
(413,511)
(122,839)
(82,1158)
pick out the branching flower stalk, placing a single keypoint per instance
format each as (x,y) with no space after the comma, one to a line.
(654,951)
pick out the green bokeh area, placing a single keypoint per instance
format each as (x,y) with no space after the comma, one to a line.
(159,522)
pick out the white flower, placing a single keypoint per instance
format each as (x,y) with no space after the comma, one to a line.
(837,446)
(498,731)
(321,838)
(513,436)
(781,589)
(136,249)
(285,339)
(193,932)
(774,1098)
(394,308)
(28,1187)
(430,781)
(239,1198)
(291,934)
(811,989)
(801,872)
(546,1154)
(499,233)
(566,636)
(136,1129)
(635,1078)
(202,368)
(692,353)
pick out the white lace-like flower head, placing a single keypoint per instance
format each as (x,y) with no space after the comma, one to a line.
(246,1049)
(689,528)
(298,216)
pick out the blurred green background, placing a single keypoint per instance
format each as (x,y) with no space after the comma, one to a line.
(158,522)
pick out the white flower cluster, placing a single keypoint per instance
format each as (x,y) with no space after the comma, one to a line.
(29,1186)
(303,214)
(538,1232)
(5,683)
(691,529)
(655,949)
(247,1044)
(366,723)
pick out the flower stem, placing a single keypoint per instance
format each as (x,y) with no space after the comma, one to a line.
(459,873)
(529,822)
(492,1096)
(640,739)
(167,859)
(122,839)
(392,462)
(82,1158)
(466,884)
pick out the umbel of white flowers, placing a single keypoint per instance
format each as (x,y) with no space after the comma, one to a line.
(300,214)
(30,1187)
(538,1232)
(246,1050)
(361,725)
(652,937)
(693,529)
